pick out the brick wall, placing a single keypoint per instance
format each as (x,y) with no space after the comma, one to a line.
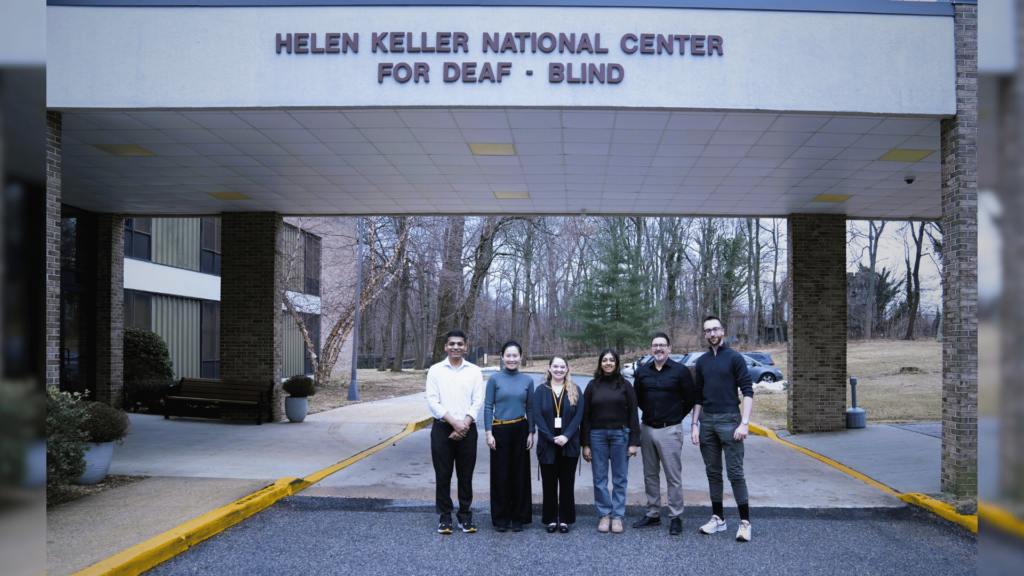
(52,240)
(109,293)
(959,141)
(816,399)
(250,301)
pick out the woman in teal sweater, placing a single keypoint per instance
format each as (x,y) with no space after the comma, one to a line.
(508,407)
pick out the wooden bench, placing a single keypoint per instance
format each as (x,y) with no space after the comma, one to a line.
(223,392)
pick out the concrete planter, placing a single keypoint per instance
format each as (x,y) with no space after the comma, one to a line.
(97,463)
(296,408)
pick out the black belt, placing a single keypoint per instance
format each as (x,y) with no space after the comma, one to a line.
(660,425)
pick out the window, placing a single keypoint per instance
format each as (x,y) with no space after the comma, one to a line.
(312,265)
(209,260)
(138,310)
(312,322)
(210,340)
(138,237)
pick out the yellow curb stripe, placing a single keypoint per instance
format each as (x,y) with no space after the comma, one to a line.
(1001,518)
(940,508)
(163,547)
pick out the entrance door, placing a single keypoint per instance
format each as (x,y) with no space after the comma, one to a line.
(77,323)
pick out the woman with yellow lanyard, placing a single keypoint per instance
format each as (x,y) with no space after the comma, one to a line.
(558,411)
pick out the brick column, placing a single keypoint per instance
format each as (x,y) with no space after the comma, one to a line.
(52,240)
(109,299)
(959,141)
(250,300)
(816,399)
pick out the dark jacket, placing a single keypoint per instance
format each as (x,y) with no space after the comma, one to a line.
(719,378)
(665,397)
(544,416)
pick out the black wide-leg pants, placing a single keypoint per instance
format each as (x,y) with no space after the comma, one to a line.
(558,481)
(448,454)
(510,475)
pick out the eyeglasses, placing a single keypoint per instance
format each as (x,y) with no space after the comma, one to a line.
(712,330)
(657,346)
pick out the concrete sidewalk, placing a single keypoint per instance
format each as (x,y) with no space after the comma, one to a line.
(197,466)
(904,457)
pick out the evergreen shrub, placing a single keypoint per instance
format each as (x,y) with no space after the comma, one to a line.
(65,438)
(146,356)
(105,423)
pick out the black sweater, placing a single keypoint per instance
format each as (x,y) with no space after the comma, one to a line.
(608,408)
(718,377)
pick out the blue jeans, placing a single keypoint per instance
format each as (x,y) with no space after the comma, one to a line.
(605,446)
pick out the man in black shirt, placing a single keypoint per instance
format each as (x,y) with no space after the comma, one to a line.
(664,392)
(721,428)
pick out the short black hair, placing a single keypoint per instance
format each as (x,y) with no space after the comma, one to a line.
(454,333)
(712,317)
(510,344)
(662,335)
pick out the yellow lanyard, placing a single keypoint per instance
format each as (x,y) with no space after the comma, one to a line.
(558,401)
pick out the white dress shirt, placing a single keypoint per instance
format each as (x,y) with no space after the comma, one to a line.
(456,391)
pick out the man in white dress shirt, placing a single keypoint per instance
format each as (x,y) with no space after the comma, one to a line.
(455,394)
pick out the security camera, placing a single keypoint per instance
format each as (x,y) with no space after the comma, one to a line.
(909,179)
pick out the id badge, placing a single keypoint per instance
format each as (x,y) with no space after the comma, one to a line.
(558,422)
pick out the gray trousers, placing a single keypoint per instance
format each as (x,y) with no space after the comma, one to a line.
(716,432)
(662,450)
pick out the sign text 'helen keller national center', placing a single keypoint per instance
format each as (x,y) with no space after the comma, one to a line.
(580,72)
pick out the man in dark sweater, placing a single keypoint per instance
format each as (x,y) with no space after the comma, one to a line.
(664,392)
(719,375)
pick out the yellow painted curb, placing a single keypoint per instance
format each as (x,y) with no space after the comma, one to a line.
(940,508)
(1001,518)
(152,552)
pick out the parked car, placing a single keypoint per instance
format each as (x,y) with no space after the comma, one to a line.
(762,357)
(759,372)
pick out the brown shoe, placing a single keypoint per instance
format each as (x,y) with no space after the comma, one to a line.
(617,525)
(602,526)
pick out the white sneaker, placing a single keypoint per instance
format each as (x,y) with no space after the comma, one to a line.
(743,534)
(715,525)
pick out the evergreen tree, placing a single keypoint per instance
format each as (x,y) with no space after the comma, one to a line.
(610,310)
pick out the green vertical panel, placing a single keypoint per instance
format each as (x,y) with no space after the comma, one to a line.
(176,320)
(176,242)
(293,352)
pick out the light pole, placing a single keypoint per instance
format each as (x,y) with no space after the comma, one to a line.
(353,385)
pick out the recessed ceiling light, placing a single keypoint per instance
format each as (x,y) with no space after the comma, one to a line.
(906,155)
(124,150)
(831,198)
(228,195)
(486,149)
(512,195)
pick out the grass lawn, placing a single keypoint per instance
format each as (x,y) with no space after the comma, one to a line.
(882,390)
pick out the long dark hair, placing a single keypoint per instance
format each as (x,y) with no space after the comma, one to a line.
(616,375)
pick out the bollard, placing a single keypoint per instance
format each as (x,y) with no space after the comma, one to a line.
(855,417)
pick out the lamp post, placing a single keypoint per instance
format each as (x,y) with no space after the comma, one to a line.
(353,385)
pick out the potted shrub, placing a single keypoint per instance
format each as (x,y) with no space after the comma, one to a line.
(299,389)
(104,427)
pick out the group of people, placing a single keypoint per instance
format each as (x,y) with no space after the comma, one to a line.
(601,424)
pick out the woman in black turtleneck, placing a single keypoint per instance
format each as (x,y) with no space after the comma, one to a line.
(610,432)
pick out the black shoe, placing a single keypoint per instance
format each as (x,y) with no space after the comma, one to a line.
(563,528)
(501,528)
(646,521)
(444,526)
(516,527)
(676,528)
(468,527)
(552,528)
